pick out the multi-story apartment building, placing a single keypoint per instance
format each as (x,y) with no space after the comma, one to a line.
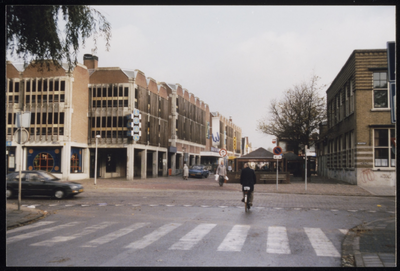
(58,102)
(73,113)
(360,141)
(225,135)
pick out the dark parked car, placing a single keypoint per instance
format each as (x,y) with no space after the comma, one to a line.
(43,183)
(198,171)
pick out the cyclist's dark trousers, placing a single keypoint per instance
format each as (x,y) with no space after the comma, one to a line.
(250,196)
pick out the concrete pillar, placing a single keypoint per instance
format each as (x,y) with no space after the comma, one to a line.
(86,162)
(192,160)
(173,164)
(155,164)
(130,159)
(143,164)
(180,161)
(66,161)
(165,165)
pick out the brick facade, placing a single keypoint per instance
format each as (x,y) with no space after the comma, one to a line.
(350,150)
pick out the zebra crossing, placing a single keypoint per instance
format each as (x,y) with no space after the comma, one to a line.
(276,239)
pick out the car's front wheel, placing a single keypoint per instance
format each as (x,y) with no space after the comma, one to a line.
(59,194)
(9,193)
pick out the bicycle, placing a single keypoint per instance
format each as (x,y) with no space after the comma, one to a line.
(246,190)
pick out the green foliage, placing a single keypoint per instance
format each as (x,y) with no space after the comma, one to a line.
(33,32)
(296,117)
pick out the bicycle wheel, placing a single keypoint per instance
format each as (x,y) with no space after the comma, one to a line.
(245,203)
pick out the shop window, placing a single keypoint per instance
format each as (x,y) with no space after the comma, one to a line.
(384,148)
(76,160)
(43,161)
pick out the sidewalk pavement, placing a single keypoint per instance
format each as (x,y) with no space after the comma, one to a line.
(365,245)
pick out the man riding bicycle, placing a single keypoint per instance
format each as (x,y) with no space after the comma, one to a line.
(248,178)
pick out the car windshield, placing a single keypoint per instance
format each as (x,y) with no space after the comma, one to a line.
(197,167)
(48,176)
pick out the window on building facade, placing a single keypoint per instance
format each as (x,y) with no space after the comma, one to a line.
(384,148)
(43,161)
(380,93)
(76,162)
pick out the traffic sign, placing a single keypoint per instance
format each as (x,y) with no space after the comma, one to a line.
(223,152)
(277,150)
(277,156)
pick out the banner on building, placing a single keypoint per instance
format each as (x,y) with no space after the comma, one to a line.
(215,131)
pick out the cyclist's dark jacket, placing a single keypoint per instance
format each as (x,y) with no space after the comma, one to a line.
(248,178)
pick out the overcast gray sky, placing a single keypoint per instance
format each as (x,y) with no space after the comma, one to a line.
(238,58)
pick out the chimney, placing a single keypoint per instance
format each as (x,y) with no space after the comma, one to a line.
(90,61)
(230,118)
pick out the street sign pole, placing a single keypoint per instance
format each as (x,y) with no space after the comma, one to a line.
(20,162)
(305,152)
(277,151)
(277,162)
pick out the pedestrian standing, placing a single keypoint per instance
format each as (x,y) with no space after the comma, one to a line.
(221,171)
(185,171)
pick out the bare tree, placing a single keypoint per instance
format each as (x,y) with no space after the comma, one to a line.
(296,117)
(33,32)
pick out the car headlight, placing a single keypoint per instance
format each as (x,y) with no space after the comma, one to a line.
(74,187)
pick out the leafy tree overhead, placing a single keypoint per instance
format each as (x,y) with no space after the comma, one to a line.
(296,117)
(33,32)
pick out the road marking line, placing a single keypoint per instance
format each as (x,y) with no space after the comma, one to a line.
(38,224)
(277,240)
(114,235)
(193,237)
(154,236)
(87,230)
(344,231)
(321,243)
(235,239)
(39,232)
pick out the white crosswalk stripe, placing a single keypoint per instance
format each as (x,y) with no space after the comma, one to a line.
(277,240)
(193,237)
(154,236)
(235,239)
(114,235)
(32,226)
(87,230)
(321,243)
(39,232)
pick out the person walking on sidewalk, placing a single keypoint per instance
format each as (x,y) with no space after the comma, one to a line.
(185,171)
(221,171)
(248,178)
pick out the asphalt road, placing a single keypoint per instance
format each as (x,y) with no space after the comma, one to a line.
(190,228)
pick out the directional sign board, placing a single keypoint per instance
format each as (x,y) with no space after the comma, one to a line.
(223,152)
(277,150)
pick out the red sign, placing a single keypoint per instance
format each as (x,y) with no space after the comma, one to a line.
(277,150)
(223,152)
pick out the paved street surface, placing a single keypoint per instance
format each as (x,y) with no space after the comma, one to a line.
(171,222)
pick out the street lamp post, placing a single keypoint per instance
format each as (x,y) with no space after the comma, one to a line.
(95,161)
